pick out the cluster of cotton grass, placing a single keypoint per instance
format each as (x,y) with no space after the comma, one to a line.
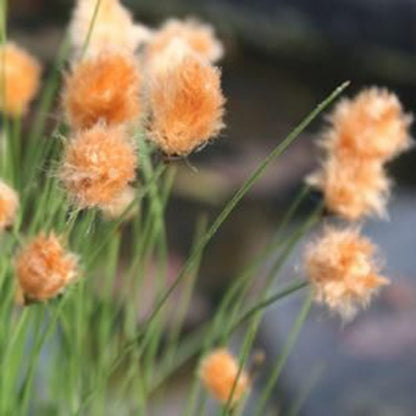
(43,268)
(129,78)
(123,78)
(125,85)
(364,134)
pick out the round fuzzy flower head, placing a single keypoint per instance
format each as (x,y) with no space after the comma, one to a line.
(352,188)
(372,125)
(218,372)
(186,105)
(200,38)
(342,270)
(113,28)
(103,88)
(44,268)
(20,78)
(9,203)
(98,165)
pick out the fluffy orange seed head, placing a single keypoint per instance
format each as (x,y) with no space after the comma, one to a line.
(98,165)
(103,88)
(113,28)
(200,38)
(44,268)
(353,188)
(19,79)
(341,267)
(218,372)
(186,104)
(372,125)
(9,203)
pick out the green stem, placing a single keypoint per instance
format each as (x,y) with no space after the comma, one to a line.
(288,347)
(91,27)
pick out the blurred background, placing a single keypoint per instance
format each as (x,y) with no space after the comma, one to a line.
(282,58)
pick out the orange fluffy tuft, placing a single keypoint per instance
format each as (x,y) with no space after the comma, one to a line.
(353,188)
(9,204)
(113,28)
(20,77)
(342,270)
(44,268)
(200,38)
(372,125)
(104,88)
(186,105)
(218,372)
(98,165)
(365,133)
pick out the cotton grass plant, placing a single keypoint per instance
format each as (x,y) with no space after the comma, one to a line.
(82,219)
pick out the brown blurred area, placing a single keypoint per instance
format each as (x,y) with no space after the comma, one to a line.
(21,8)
